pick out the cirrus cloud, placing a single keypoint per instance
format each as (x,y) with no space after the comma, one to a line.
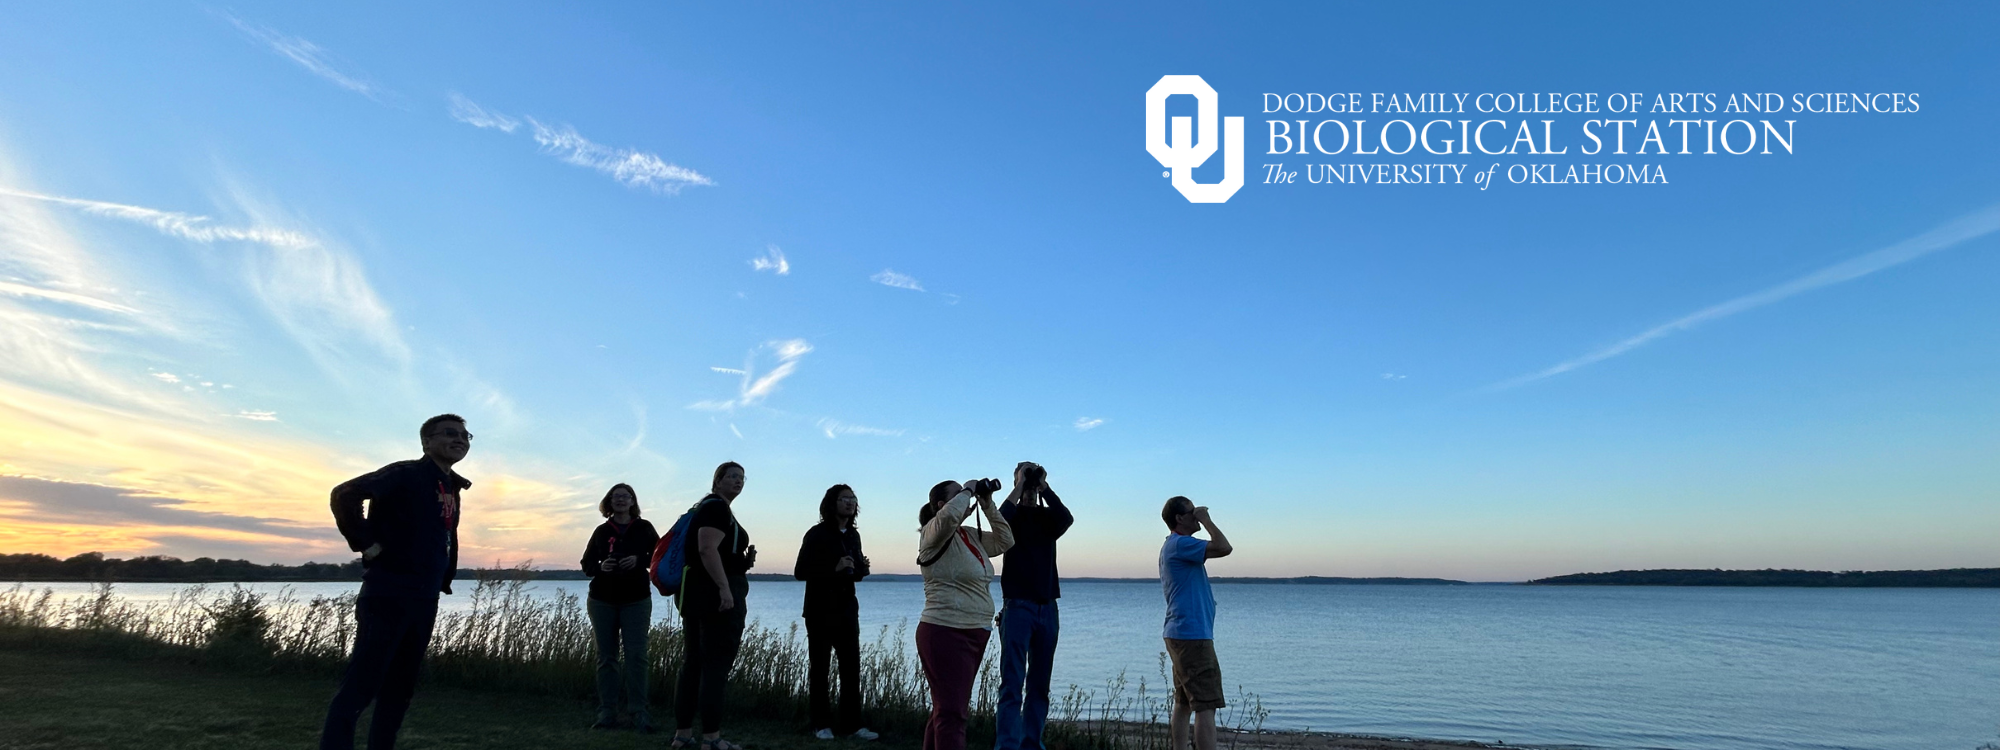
(753,389)
(889,277)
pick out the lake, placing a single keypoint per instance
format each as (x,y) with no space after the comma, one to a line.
(1608,667)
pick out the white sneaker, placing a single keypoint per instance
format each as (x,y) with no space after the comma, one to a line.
(866,736)
(824,734)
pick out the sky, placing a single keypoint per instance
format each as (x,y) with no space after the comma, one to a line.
(246,249)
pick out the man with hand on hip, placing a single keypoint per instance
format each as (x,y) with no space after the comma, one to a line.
(409,549)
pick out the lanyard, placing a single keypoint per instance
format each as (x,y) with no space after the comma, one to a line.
(967,538)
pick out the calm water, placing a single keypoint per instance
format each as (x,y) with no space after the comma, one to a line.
(1683,668)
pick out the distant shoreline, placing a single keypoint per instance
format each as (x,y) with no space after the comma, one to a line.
(94,567)
(1949,578)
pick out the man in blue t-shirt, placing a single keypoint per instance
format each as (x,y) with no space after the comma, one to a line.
(1190,627)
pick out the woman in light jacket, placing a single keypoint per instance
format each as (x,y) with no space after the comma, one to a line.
(958,606)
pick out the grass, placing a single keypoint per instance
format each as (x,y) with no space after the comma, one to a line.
(509,641)
(77,697)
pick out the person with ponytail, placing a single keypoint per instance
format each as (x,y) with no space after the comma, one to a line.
(957,562)
(712,610)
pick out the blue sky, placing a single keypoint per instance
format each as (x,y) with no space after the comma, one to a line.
(245,249)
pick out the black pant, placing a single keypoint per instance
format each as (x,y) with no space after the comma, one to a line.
(390,637)
(707,654)
(835,635)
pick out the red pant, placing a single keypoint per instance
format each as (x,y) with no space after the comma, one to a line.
(951,662)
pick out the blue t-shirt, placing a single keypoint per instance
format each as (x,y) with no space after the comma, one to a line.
(1190,603)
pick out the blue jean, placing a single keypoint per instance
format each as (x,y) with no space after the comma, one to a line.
(391,635)
(612,623)
(1027,652)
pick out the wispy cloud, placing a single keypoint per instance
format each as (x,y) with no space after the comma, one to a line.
(632,167)
(772,260)
(1393,376)
(23,290)
(469,112)
(753,389)
(1086,424)
(63,312)
(173,223)
(1964,229)
(81,320)
(728,371)
(320,294)
(834,428)
(888,277)
(308,55)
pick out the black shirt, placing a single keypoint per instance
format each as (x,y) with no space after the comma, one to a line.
(620,586)
(413,513)
(830,593)
(697,588)
(1030,571)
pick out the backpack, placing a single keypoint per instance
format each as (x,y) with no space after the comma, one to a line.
(670,564)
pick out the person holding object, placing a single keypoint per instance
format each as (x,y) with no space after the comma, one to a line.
(958,605)
(830,562)
(1029,622)
(408,542)
(620,604)
(712,595)
(1190,627)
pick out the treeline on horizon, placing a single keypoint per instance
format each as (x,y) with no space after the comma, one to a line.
(94,566)
(1951,578)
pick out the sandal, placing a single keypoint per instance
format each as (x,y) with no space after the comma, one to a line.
(682,743)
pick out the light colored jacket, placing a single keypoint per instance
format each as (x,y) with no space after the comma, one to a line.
(956,587)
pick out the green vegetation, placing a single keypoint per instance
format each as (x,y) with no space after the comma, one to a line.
(1954,578)
(509,641)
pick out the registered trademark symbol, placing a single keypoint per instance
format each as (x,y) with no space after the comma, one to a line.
(1168,173)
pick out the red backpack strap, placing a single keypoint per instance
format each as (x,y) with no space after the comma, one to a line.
(967,538)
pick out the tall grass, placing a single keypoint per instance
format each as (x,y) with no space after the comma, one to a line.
(511,639)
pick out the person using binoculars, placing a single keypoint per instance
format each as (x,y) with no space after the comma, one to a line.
(1190,623)
(957,562)
(1028,619)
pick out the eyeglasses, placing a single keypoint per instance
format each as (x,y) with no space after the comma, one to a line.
(453,433)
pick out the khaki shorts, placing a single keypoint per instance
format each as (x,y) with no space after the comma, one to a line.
(1197,676)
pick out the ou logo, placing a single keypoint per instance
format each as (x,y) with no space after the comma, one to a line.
(1183,154)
